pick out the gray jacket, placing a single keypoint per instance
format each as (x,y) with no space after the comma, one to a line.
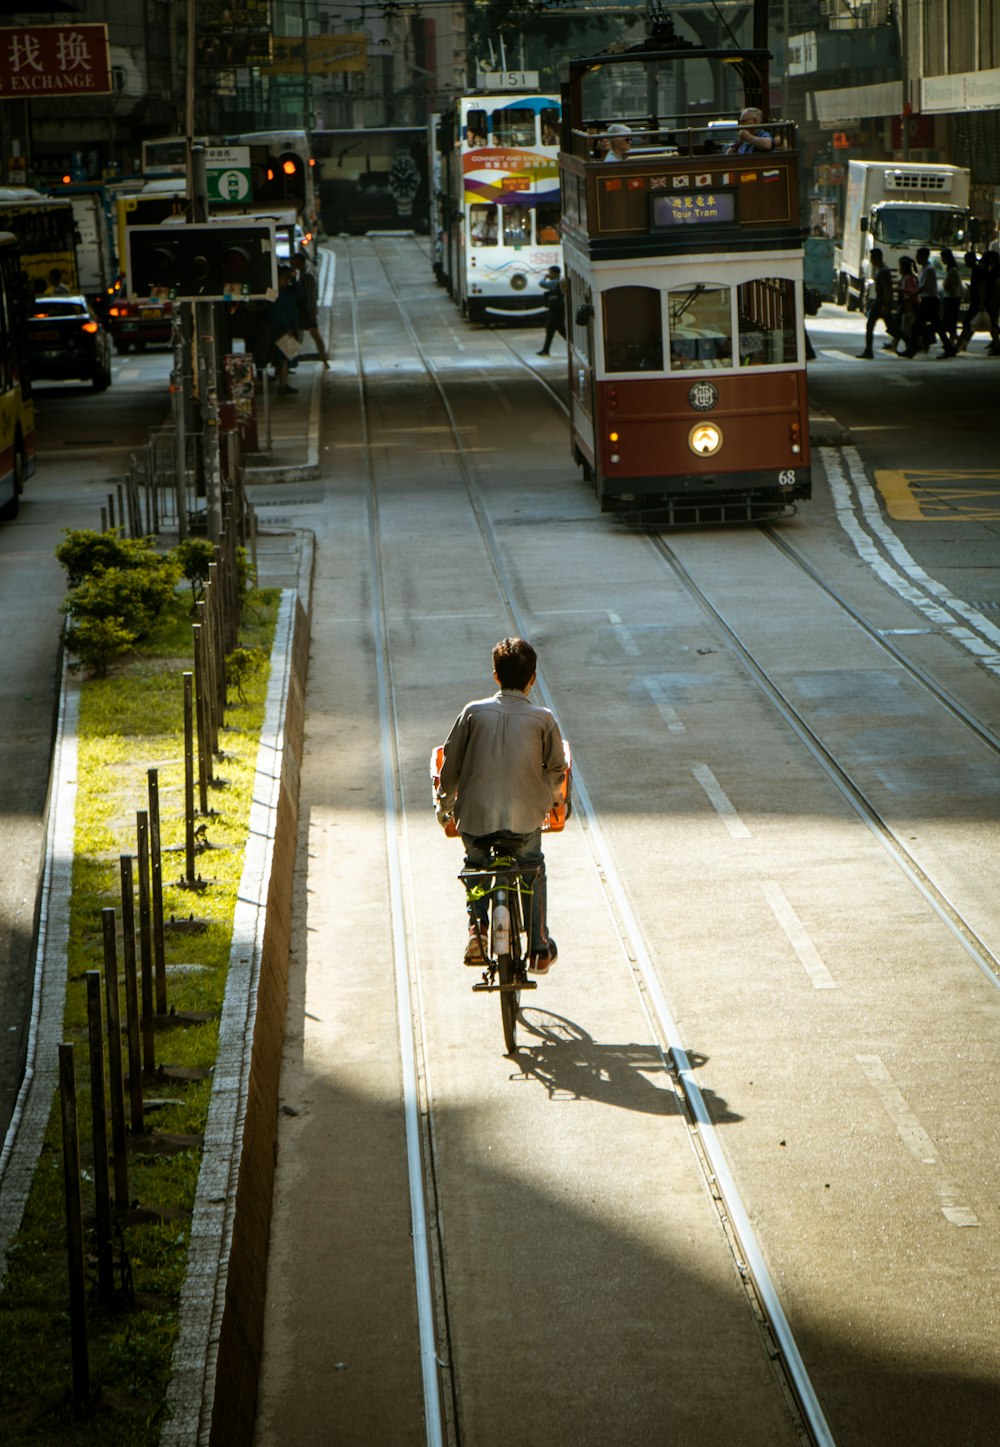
(503,765)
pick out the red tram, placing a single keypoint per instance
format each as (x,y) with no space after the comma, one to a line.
(684,282)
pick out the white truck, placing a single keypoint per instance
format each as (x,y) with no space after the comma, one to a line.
(898,206)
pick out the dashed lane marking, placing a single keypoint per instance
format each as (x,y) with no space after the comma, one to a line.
(798,937)
(658,694)
(721,802)
(915,1138)
(956,495)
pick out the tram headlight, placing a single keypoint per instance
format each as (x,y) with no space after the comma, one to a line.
(705,439)
(518,281)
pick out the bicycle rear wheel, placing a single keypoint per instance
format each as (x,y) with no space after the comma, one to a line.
(510,1001)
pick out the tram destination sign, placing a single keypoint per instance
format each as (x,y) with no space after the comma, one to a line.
(702,208)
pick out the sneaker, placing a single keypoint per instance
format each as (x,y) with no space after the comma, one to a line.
(541,964)
(474,954)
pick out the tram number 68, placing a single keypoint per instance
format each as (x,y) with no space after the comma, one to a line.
(787,478)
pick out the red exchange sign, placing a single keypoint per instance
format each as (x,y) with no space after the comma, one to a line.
(54,60)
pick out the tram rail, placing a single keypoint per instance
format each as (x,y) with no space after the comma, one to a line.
(801,1396)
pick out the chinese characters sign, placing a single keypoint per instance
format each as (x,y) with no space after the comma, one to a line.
(693,210)
(54,60)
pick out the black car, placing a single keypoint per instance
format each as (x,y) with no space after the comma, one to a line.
(66,342)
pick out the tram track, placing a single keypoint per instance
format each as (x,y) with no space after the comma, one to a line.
(839,774)
(779,1341)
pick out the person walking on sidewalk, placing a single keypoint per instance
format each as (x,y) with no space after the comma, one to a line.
(555,307)
(503,769)
(308,303)
(284,330)
(951,295)
(880,305)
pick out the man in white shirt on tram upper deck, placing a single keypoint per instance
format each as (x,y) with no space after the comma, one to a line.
(620,136)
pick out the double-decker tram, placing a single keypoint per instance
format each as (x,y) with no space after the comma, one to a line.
(499,210)
(683,251)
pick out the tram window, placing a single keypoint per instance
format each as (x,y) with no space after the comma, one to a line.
(516,226)
(549,117)
(548,222)
(475,129)
(701,328)
(766,311)
(633,329)
(514,127)
(483,225)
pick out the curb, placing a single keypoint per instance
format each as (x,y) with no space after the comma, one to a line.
(23,1142)
(215,1366)
(826,431)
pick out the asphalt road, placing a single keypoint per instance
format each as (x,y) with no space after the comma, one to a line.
(84,440)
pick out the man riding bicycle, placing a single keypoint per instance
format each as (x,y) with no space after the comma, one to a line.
(503,769)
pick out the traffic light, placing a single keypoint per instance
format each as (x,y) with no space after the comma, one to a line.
(212,261)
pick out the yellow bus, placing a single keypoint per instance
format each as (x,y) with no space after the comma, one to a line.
(45,227)
(17,409)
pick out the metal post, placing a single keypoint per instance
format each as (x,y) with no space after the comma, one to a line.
(99,1135)
(156,867)
(74,1225)
(204,754)
(113,1014)
(208,386)
(189,874)
(145,910)
(131,996)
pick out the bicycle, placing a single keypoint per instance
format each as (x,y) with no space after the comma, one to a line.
(505,962)
(504,959)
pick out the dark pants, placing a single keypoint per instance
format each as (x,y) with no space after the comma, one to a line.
(525,849)
(875,311)
(554,322)
(927,325)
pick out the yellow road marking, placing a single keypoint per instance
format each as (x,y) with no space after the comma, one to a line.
(961,495)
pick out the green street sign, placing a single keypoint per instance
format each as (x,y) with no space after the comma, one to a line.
(227,170)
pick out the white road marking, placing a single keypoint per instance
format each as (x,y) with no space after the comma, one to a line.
(721,802)
(914,1137)
(624,637)
(902,574)
(656,691)
(798,937)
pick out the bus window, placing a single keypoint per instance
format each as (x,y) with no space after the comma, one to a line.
(633,330)
(549,118)
(766,311)
(516,226)
(483,225)
(514,127)
(549,225)
(701,328)
(475,129)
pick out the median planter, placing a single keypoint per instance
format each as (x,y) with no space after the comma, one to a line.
(185,1325)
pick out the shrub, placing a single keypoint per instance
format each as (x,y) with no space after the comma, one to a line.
(86,552)
(97,642)
(136,597)
(193,557)
(241,665)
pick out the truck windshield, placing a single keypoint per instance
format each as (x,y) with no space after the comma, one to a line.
(920,226)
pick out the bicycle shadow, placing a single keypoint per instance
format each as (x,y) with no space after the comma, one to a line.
(571,1065)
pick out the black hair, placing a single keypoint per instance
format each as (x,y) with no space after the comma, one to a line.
(514,662)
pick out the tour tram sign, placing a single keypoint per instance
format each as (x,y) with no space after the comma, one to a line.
(54,60)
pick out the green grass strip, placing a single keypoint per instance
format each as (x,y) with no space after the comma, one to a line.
(130,722)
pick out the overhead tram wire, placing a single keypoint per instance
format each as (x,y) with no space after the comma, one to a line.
(633,939)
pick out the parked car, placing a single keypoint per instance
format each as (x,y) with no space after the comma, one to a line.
(139,323)
(66,342)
